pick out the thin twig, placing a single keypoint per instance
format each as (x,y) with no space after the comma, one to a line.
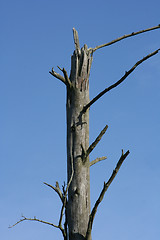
(41,221)
(97,160)
(119,81)
(123,37)
(33,219)
(105,188)
(56,189)
(94,144)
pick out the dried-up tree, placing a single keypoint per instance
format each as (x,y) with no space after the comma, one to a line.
(75,196)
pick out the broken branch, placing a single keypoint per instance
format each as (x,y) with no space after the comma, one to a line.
(119,81)
(105,188)
(93,145)
(123,37)
(97,160)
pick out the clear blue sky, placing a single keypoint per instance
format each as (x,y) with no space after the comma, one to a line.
(37,35)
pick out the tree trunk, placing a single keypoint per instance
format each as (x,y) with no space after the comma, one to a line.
(78,217)
(78,207)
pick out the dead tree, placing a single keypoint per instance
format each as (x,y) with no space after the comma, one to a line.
(75,196)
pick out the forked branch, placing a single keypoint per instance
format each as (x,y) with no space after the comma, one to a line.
(38,220)
(64,79)
(105,188)
(67,80)
(123,37)
(127,73)
(58,76)
(63,198)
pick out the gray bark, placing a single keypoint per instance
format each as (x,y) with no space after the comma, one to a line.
(78,206)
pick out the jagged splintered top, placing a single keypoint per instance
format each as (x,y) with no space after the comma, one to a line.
(76,39)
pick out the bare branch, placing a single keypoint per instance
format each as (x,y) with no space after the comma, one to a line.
(76,40)
(33,219)
(105,188)
(58,76)
(123,37)
(63,198)
(94,144)
(57,190)
(67,80)
(97,160)
(41,221)
(119,81)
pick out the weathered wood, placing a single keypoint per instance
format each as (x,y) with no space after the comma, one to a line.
(78,218)
(76,40)
(78,206)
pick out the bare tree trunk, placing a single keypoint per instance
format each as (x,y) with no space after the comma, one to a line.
(78,207)
(78,216)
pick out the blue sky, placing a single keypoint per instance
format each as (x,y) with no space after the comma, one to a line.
(37,35)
